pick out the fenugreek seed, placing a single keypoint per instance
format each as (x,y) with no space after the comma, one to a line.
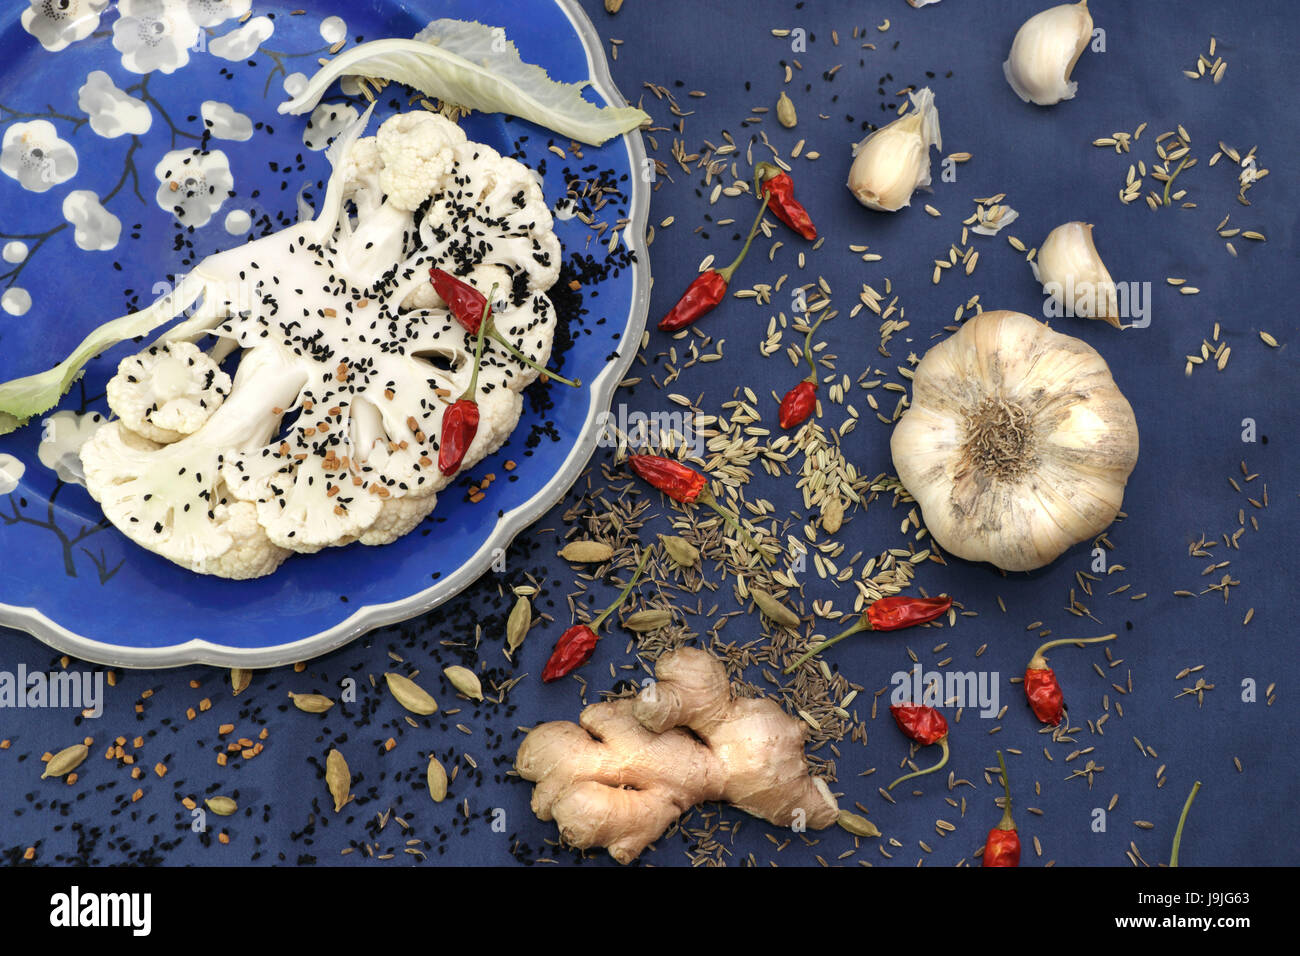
(685,554)
(648,620)
(857,825)
(437,777)
(518,623)
(65,761)
(586,552)
(777,612)
(239,680)
(410,695)
(338,778)
(221,806)
(785,112)
(311,703)
(464,680)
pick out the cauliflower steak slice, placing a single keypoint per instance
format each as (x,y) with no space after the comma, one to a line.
(329,432)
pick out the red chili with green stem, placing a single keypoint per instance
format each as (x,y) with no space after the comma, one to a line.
(774,183)
(1002,848)
(888,614)
(801,401)
(1042,689)
(460,421)
(469,307)
(709,287)
(578,643)
(683,483)
(926,726)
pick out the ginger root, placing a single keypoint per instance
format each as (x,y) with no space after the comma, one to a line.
(628,769)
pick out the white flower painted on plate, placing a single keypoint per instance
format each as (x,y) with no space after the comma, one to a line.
(112,112)
(62,435)
(11,472)
(193,183)
(34,155)
(95,229)
(223,121)
(16,301)
(242,43)
(14,252)
(211,13)
(327,121)
(154,35)
(58,23)
(295,83)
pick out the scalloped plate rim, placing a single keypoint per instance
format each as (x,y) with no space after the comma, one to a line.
(508,525)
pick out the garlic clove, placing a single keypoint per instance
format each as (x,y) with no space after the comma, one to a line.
(1072,273)
(1044,52)
(894,161)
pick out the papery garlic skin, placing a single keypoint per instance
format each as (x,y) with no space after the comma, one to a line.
(1072,273)
(894,161)
(1017,445)
(1044,52)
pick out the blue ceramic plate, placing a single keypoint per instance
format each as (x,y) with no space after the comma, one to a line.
(91,100)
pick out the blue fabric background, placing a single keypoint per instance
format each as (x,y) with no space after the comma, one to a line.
(1191,442)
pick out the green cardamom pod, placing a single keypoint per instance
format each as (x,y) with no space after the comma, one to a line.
(857,825)
(437,777)
(65,761)
(777,612)
(685,554)
(338,778)
(517,625)
(411,695)
(464,680)
(311,703)
(785,113)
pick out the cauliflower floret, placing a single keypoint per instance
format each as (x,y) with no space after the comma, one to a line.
(168,391)
(418,152)
(361,168)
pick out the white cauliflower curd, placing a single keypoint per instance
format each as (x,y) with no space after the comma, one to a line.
(328,433)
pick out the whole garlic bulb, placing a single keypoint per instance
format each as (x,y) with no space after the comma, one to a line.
(1044,52)
(1073,274)
(1018,443)
(894,161)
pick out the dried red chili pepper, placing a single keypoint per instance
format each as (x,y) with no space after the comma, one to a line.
(683,483)
(1041,686)
(773,182)
(469,307)
(926,726)
(888,614)
(460,421)
(578,643)
(801,401)
(1002,848)
(709,287)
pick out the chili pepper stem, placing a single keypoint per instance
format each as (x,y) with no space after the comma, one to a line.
(478,348)
(627,589)
(807,348)
(1178,834)
(1006,823)
(1038,661)
(858,628)
(728,272)
(706,498)
(943,761)
(500,340)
